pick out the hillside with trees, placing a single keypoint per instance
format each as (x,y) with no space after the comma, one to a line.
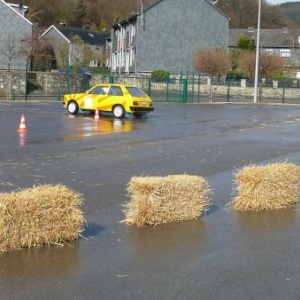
(97,14)
(243,14)
(292,11)
(102,14)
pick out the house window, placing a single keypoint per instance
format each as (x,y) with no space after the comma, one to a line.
(133,29)
(269,51)
(285,53)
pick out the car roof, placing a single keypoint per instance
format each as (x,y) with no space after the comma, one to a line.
(115,84)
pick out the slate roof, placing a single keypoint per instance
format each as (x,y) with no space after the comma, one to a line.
(269,38)
(149,6)
(89,36)
(210,2)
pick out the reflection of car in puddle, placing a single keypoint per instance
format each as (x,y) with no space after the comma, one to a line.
(115,125)
(119,126)
(88,127)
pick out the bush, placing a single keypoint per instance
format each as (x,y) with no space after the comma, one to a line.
(235,76)
(160,76)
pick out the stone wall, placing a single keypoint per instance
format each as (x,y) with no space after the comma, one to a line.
(272,91)
(41,82)
(17,82)
(51,83)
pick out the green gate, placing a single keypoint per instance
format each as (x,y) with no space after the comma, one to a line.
(182,88)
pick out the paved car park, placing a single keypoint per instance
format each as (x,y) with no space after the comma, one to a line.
(223,255)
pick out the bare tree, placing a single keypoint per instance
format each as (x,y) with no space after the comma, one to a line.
(269,65)
(213,62)
(11,49)
(38,52)
(61,50)
(76,52)
(246,63)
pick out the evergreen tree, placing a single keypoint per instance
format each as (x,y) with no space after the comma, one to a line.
(242,42)
(245,44)
(80,13)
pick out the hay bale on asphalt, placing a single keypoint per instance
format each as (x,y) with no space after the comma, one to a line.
(38,216)
(156,200)
(269,187)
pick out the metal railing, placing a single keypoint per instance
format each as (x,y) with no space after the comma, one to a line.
(188,87)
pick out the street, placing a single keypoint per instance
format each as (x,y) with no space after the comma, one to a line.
(222,255)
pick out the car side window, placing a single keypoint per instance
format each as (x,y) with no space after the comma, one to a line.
(115,91)
(99,90)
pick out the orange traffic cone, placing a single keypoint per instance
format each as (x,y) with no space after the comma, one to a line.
(22,127)
(97,117)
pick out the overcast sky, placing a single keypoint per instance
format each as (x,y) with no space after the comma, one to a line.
(281,1)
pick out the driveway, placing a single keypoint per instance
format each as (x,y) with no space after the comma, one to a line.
(222,255)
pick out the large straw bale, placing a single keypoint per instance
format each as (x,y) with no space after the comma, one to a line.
(38,216)
(269,187)
(156,200)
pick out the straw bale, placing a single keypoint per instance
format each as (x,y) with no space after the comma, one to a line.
(157,200)
(269,187)
(39,216)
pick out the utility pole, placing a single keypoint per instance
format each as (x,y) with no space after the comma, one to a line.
(257,53)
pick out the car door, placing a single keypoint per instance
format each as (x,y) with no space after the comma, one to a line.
(114,96)
(98,94)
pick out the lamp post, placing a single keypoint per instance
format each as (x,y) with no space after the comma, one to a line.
(26,78)
(257,52)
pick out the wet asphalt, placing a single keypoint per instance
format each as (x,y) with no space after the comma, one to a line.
(222,255)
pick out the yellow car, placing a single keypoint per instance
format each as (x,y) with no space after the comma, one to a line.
(116,98)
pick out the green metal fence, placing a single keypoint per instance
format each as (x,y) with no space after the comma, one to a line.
(185,87)
(181,88)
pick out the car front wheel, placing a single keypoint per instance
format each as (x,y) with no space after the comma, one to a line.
(73,107)
(119,111)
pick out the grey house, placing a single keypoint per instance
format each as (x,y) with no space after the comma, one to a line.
(67,51)
(166,34)
(282,42)
(14,30)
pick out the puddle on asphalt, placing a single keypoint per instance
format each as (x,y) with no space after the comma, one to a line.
(87,126)
(165,238)
(44,262)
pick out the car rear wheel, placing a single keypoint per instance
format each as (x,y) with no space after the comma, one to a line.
(119,111)
(73,107)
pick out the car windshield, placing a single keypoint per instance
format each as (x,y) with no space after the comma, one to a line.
(136,92)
